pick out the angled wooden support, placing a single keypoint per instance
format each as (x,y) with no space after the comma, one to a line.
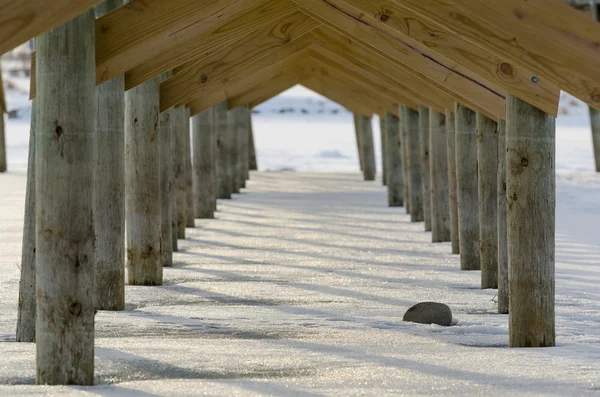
(342,18)
(414,32)
(212,71)
(264,90)
(339,94)
(549,39)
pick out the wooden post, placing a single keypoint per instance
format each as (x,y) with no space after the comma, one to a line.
(357,127)
(174,187)
(410,120)
(2,132)
(190,201)
(393,156)
(253,163)
(223,134)
(204,164)
(65,145)
(487,160)
(384,161)
(109,211)
(244,145)
(452,189)
(531,201)
(178,120)
(165,138)
(502,237)
(467,187)
(425,173)
(233,117)
(142,184)
(595,124)
(26,310)
(405,150)
(367,147)
(438,177)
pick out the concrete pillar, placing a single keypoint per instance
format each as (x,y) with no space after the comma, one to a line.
(224,141)
(204,163)
(410,121)
(65,145)
(452,188)
(190,201)
(109,211)
(487,160)
(467,187)
(367,147)
(142,183)
(383,149)
(165,138)
(393,156)
(26,309)
(244,145)
(253,163)
(425,173)
(502,237)
(178,120)
(531,201)
(438,177)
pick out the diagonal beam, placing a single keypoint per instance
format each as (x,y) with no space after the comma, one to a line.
(212,71)
(341,94)
(414,31)
(265,90)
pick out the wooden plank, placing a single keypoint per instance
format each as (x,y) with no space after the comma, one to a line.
(413,30)
(144,28)
(265,90)
(186,83)
(341,96)
(548,38)
(344,20)
(232,28)
(22,20)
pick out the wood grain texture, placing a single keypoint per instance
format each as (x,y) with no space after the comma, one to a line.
(204,75)
(393,160)
(503,294)
(459,56)
(341,94)
(410,120)
(438,177)
(264,90)
(452,182)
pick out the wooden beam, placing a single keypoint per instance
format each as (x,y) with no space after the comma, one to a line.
(23,20)
(436,73)
(233,27)
(548,38)
(341,96)
(212,71)
(265,90)
(414,31)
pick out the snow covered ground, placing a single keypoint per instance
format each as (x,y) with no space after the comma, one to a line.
(299,287)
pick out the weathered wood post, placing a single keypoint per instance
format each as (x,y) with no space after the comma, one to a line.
(467,187)
(143,206)
(190,201)
(393,160)
(26,309)
(438,177)
(531,201)
(425,172)
(174,212)
(367,147)
(244,145)
(357,126)
(487,160)
(240,136)
(178,120)
(2,132)
(410,121)
(64,160)
(502,237)
(204,163)
(405,150)
(252,162)
(165,138)
(595,124)
(233,117)
(109,210)
(452,189)
(384,160)
(223,131)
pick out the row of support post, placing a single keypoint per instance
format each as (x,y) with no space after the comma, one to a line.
(488,187)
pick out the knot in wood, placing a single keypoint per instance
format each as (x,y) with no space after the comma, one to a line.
(75,308)
(203,79)
(524,162)
(596,98)
(506,69)
(384,17)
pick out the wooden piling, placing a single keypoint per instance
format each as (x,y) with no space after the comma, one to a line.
(357,127)
(410,120)
(233,117)
(425,172)
(65,145)
(223,134)
(244,145)
(109,210)
(595,124)
(165,137)
(438,178)
(467,187)
(531,201)
(393,156)
(502,236)
(405,150)
(142,183)
(452,189)
(190,201)
(487,161)
(204,163)
(384,165)
(2,127)
(178,120)
(253,162)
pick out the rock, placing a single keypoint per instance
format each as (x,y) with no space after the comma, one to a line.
(429,313)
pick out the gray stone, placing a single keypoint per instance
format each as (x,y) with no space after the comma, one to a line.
(429,313)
